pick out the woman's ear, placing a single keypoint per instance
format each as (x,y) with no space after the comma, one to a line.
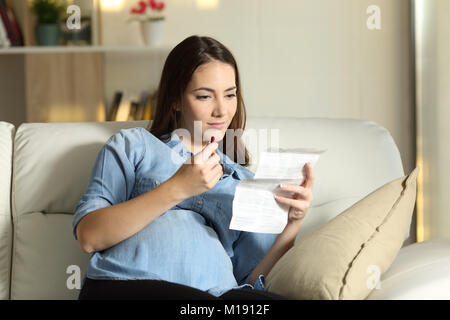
(176,108)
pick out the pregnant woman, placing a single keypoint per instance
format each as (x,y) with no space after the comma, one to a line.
(156,212)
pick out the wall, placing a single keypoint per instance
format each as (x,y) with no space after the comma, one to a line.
(312,58)
(433,117)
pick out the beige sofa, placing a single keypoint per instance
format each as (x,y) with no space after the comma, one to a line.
(45,167)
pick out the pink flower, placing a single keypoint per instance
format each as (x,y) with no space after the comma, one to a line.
(142,8)
(156,5)
(142,5)
(160,6)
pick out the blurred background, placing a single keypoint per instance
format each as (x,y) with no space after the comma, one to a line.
(380,60)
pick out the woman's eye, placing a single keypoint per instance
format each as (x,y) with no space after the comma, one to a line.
(205,97)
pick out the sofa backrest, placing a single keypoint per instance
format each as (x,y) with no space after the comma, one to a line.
(361,156)
(53,161)
(6,147)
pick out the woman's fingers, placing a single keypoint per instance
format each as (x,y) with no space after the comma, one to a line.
(295,203)
(297,208)
(204,155)
(213,159)
(309,176)
(299,191)
(302,198)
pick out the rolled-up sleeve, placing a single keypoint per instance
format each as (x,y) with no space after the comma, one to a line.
(113,175)
(249,249)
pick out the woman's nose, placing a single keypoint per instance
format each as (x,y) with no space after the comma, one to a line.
(219,108)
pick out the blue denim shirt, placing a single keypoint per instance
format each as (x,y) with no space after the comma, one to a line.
(191,243)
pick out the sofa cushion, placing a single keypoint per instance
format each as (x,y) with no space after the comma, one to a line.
(345,258)
(420,271)
(7,131)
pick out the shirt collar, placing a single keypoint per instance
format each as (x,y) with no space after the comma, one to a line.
(229,166)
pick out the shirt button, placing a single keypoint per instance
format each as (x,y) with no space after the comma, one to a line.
(199,201)
(157,182)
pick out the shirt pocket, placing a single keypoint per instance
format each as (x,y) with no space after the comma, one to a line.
(146,184)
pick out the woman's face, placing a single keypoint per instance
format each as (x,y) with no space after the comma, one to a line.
(210,98)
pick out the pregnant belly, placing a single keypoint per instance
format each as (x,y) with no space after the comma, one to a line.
(178,247)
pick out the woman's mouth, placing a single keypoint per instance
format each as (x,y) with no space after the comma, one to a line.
(216,125)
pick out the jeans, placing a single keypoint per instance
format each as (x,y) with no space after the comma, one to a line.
(162,290)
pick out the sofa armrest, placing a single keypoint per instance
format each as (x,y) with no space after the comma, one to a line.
(7,132)
(420,271)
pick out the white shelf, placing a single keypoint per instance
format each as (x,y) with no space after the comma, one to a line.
(75,49)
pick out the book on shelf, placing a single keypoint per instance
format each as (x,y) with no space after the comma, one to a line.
(115,105)
(149,112)
(124,108)
(128,107)
(142,103)
(10,23)
(133,109)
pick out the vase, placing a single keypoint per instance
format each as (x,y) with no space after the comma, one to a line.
(47,34)
(152,32)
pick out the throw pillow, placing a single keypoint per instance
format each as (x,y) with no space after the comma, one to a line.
(345,258)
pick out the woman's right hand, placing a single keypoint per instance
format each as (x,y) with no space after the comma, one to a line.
(199,173)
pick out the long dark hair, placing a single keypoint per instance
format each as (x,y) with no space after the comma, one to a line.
(178,69)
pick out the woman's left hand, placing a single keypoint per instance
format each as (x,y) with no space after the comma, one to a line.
(302,197)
